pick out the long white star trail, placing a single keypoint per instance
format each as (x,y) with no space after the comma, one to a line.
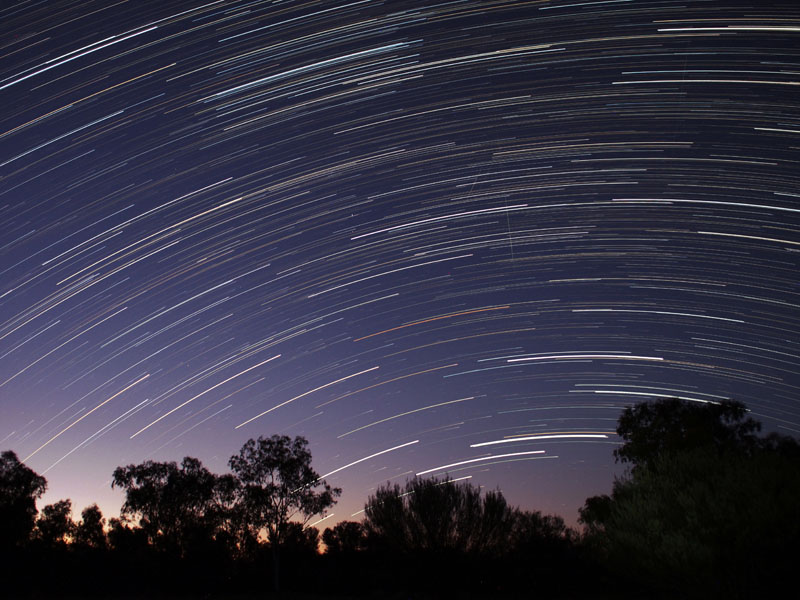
(428,227)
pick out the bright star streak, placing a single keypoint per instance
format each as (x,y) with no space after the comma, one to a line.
(360,460)
(538,437)
(304,394)
(213,387)
(430,262)
(466,312)
(404,414)
(321,520)
(482,458)
(586,356)
(79,419)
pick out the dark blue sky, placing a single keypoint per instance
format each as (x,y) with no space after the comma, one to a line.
(400,229)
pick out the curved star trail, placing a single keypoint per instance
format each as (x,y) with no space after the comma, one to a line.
(460,233)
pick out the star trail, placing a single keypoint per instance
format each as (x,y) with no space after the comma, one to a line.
(464,233)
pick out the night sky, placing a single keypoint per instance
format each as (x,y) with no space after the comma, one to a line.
(399,229)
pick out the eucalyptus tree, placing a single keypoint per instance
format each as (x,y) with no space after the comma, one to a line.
(278,486)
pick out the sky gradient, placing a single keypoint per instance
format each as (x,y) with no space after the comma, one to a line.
(400,229)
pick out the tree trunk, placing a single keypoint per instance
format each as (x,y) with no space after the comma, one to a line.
(276,569)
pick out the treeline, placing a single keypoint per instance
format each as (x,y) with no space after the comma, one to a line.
(708,508)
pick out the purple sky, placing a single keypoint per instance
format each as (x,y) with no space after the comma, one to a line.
(399,229)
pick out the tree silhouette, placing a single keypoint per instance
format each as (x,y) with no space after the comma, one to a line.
(55,527)
(535,533)
(90,531)
(19,488)
(651,429)
(126,540)
(709,510)
(595,511)
(345,537)
(301,540)
(277,486)
(178,507)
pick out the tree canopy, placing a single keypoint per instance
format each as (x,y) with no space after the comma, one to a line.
(55,526)
(651,429)
(90,531)
(278,485)
(709,509)
(20,487)
(176,506)
(345,537)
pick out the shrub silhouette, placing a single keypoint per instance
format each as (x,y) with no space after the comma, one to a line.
(429,515)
